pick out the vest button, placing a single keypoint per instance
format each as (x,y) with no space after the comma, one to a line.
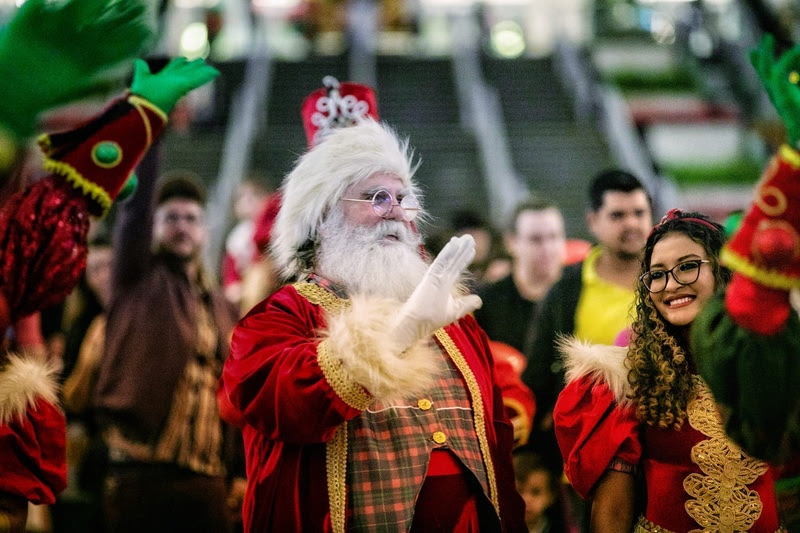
(439,437)
(424,404)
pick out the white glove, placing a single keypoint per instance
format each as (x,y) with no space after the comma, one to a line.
(432,305)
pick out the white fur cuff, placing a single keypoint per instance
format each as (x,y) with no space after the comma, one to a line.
(359,349)
(22,381)
(604,363)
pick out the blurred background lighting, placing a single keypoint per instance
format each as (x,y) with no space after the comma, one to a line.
(507,39)
(662,28)
(194,41)
(701,44)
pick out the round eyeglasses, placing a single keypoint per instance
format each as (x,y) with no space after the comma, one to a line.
(383,201)
(684,273)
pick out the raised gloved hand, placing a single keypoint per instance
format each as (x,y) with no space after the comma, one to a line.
(167,86)
(433,304)
(780,79)
(52,53)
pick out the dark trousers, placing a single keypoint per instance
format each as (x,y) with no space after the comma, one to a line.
(163,498)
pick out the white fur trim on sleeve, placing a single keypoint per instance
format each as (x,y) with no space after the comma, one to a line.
(604,363)
(23,380)
(359,343)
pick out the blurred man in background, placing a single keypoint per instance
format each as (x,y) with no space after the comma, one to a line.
(536,241)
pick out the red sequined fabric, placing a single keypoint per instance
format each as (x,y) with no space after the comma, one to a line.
(42,245)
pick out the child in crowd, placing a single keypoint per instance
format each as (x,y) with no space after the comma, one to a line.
(538,486)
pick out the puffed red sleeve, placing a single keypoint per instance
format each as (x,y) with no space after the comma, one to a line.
(592,430)
(32,431)
(33,449)
(272,378)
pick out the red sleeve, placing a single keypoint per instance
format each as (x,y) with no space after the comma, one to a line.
(272,378)
(508,365)
(517,397)
(33,452)
(229,273)
(592,430)
(28,332)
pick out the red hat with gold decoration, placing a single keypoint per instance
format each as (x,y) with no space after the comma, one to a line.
(765,251)
(336,105)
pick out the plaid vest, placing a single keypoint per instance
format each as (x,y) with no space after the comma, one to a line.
(390,446)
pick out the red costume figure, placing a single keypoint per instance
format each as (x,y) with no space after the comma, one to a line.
(747,341)
(43,231)
(517,397)
(367,392)
(643,409)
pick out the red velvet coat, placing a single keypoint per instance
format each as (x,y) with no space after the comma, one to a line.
(32,448)
(274,384)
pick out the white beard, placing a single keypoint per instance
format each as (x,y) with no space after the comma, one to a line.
(363,262)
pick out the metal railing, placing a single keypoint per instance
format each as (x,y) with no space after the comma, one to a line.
(481,114)
(248,113)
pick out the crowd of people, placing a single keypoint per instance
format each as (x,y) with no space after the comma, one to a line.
(347,374)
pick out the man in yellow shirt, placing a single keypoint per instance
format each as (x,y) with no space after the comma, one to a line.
(593,298)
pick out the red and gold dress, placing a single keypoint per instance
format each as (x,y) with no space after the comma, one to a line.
(696,478)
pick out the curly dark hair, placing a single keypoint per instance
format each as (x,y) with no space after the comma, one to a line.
(659,362)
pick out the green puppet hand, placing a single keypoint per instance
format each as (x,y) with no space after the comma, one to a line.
(166,87)
(52,53)
(780,79)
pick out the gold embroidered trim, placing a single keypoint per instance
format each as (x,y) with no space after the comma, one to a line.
(791,156)
(321,297)
(138,103)
(76,179)
(722,502)
(770,278)
(45,143)
(352,393)
(336,448)
(336,469)
(646,526)
(477,409)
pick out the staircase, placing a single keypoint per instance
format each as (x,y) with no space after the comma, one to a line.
(553,154)
(417,96)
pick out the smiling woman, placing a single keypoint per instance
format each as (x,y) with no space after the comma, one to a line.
(642,410)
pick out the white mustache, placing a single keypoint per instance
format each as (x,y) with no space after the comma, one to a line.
(394,228)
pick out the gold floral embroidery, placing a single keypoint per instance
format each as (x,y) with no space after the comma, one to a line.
(722,502)
(646,526)
(477,408)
